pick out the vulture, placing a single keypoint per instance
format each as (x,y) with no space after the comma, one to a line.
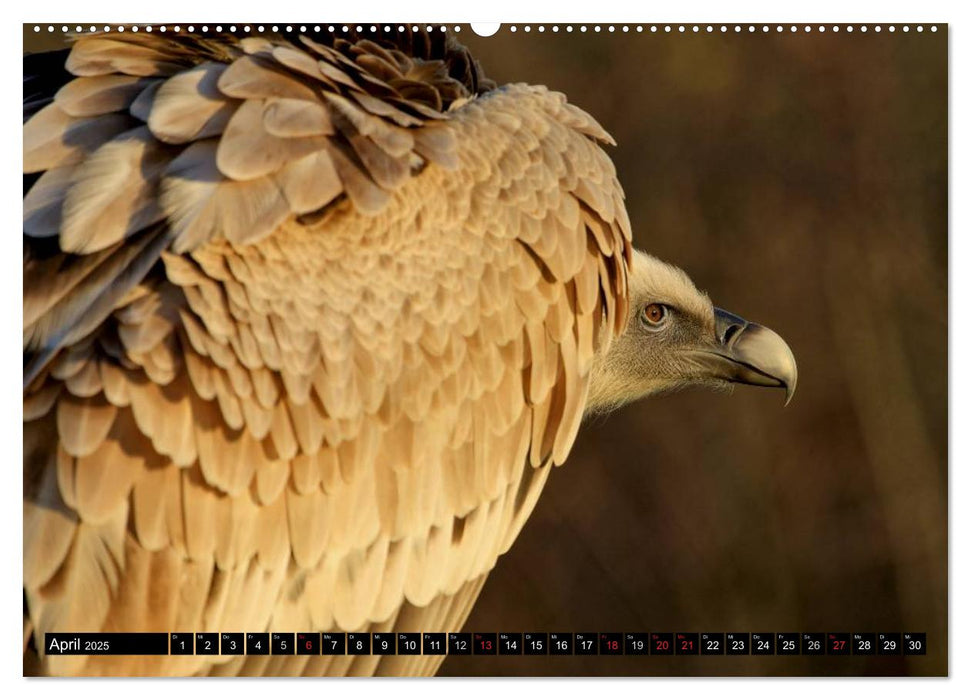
(307,322)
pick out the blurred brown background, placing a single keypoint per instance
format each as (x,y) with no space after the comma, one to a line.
(801,179)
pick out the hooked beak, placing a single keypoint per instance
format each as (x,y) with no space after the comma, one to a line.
(748,353)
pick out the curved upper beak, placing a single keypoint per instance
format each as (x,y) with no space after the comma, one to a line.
(748,353)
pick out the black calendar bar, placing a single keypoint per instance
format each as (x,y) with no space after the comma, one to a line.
(511,643)
(637,643)
(383,643)
(433,643)
(763,643)
(712,643)
(536,643)
(833,644)
(308,643)
(106,643)
(282,644)
(181,643)
(686,643)
(485,643)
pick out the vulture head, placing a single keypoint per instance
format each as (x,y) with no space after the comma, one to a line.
(675,338)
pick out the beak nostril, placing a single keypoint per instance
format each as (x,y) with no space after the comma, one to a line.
(730,333)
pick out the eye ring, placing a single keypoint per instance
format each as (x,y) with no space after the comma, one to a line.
(654,315)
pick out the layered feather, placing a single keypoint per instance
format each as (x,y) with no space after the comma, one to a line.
(306,326)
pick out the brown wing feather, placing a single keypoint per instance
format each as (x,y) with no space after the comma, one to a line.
(330,392)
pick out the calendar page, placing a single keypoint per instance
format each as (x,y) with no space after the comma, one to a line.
(533,349)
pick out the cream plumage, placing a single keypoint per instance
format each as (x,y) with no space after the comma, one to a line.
(306,324)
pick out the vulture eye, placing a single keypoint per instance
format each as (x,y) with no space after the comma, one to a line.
(654,314)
